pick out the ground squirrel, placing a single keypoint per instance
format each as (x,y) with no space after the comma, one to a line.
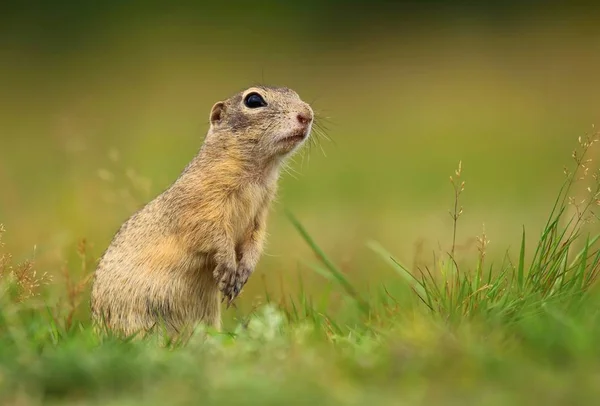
(203,236)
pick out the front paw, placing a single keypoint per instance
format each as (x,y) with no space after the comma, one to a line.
(231,285)
(222,273)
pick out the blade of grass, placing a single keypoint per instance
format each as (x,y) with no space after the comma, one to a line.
(333,270)
(399,268)
(521,267)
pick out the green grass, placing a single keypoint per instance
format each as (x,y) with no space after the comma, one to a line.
(522,330)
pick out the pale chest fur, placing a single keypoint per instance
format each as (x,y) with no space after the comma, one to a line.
(250,200)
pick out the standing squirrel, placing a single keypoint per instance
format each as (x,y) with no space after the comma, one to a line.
(203,236)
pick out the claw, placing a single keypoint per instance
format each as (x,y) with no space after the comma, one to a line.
(231,285)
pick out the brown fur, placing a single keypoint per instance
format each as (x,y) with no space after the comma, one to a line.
(202,238)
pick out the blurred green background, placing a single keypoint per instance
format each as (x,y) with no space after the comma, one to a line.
(103,104)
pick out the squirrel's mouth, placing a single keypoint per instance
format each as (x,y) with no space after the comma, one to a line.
(296,136)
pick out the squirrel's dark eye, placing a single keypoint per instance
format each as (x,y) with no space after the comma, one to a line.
(254,100)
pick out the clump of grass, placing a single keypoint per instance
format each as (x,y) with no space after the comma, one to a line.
(28,314)
(564,266)
(21,288)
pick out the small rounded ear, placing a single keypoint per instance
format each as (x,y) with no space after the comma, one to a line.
(216,113)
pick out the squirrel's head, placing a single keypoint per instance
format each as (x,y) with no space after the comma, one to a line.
(261,122)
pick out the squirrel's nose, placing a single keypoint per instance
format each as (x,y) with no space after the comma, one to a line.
(304,118)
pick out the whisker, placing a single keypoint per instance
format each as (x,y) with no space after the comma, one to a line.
(321,133)
(288,170)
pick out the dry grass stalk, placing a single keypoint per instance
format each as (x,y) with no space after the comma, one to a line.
(21,280)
